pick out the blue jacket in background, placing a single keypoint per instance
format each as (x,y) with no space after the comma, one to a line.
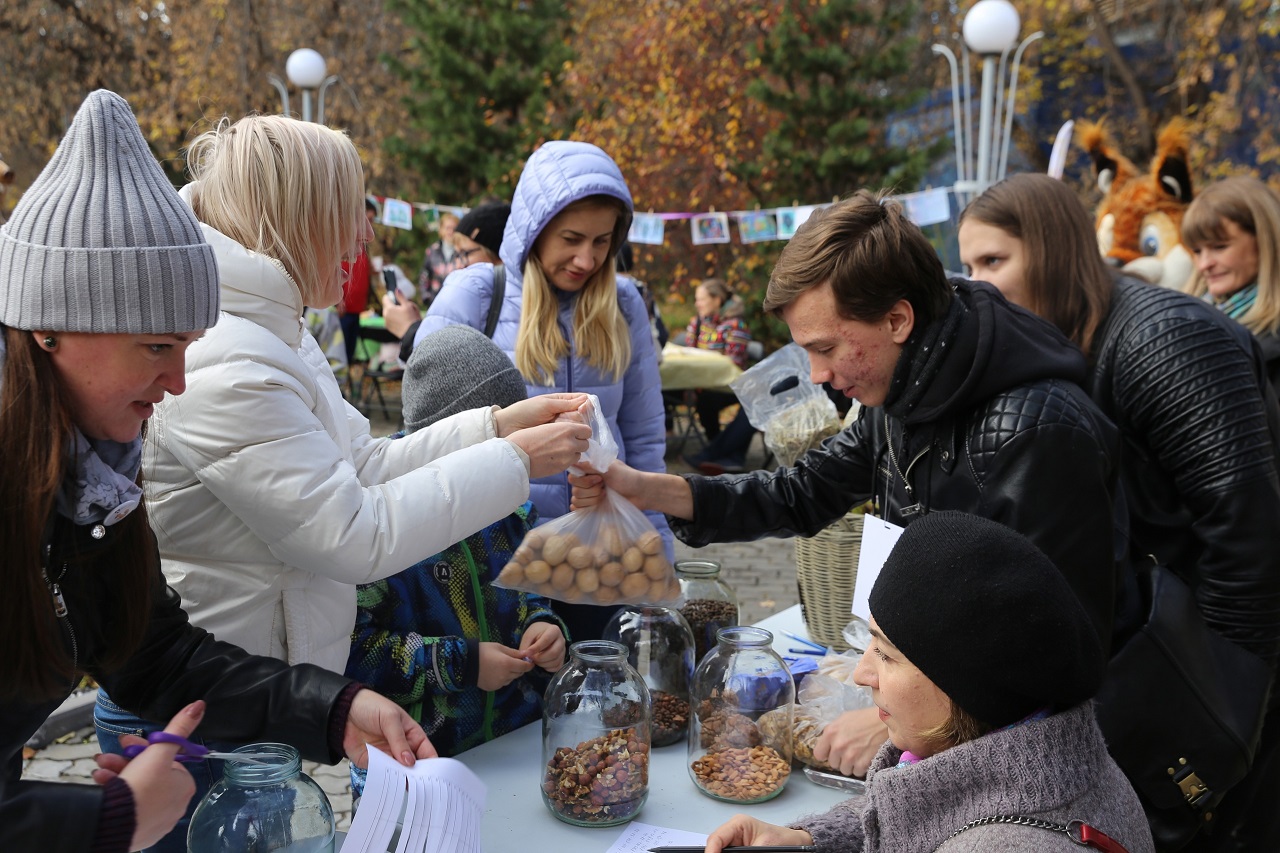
(556,175)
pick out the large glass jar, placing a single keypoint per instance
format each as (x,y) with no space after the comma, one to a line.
(270,806)
(706,602)
(595,737)
(740,735)
(659,645)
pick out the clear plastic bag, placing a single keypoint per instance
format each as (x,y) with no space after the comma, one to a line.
(607,554)
(820,699)
(794,414)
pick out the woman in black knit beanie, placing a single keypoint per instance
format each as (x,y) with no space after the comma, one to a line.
(982,666)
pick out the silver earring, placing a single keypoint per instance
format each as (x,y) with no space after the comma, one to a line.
(50,342)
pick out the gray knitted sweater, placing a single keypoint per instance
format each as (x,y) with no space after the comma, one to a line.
(1055,769)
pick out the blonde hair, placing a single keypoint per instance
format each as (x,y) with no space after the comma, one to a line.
(1254,208)
(287,189)
(599,329)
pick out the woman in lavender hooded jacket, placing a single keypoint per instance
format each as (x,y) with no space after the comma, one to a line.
(566,322)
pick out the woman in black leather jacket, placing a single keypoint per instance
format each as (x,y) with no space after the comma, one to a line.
(970,404)
(106,281)
(1186,387)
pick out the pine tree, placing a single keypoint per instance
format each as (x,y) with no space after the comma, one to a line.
(835,70)
(484,75)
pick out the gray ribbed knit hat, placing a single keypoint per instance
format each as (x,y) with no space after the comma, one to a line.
(101,242)
(455,369)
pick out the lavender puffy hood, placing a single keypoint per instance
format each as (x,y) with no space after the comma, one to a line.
(556,175)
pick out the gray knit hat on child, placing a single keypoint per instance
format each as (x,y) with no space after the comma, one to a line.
(101,242)
(455,369)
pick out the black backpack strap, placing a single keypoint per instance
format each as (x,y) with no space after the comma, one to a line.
(495,303)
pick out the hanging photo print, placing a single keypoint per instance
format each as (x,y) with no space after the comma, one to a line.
(646,228)
(927,207)
(791,218)
(757,226)
(397,214)
(710,228)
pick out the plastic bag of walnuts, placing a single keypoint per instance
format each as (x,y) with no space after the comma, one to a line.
(608,554)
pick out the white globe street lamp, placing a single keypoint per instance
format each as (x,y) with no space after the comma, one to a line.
(990,30)
(307,70)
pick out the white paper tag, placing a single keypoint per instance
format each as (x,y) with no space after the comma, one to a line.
(878,538)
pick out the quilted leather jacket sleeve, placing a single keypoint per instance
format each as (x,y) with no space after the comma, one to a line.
(1191,401)
(823,485)
(1024,448)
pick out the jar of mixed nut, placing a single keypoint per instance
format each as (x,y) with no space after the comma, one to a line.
(706,602)
(741,680)
(595,737)
(660,646)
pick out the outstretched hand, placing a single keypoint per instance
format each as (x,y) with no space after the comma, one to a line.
(551,448)
(535,411)
(376,720)
(161,786)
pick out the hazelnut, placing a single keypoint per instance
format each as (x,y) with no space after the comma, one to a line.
(512,574)
(650,542)
(562,577)
(611,574)
(580,557)
(635,587)
(606,595)
(588,580)
(656,568)
(633,559)
(534,540)
(556,549)
(539,571)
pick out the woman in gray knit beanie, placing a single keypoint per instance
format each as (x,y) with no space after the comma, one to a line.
(270,498)
(105,283)
(982,665)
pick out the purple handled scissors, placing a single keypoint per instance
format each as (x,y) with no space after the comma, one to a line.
(188,751)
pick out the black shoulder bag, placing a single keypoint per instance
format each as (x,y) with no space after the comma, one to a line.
(495,303)
(1181,708)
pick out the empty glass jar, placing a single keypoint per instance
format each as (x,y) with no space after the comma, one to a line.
(256,808)
(706,602)
(734,754)
(595,737)
(659,646)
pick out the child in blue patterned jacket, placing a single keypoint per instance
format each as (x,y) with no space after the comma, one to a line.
(460,655)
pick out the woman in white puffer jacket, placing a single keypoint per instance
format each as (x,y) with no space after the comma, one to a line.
(268,494)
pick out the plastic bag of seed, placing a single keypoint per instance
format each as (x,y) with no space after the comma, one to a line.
(794,414)
(609,553)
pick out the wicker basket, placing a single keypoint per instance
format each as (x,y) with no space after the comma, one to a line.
(826,568)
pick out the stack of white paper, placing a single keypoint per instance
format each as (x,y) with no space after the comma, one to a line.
(434,806)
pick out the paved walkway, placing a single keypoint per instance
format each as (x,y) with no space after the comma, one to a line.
(761,573)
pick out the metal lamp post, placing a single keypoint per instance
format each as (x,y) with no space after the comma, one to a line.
(990,30)
(305,69)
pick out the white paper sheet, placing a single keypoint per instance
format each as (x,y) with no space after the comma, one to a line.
(878,538)
(438,802)
(928,207)
(639,837)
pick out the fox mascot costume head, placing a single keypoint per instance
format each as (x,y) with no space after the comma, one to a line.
(1140,217)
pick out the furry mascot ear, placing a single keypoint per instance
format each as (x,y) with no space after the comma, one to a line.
(1139,217)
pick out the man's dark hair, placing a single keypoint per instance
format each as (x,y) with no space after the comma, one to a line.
(871,254)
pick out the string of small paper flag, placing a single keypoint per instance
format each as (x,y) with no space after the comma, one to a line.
(926,207)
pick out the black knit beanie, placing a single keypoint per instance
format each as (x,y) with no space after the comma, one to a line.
(485,225)
(455,369)
(987,618)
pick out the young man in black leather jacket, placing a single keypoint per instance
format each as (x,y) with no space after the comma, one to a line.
(970,404)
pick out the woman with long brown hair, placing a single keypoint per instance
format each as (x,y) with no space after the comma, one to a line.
(105,281)
(1186,387)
